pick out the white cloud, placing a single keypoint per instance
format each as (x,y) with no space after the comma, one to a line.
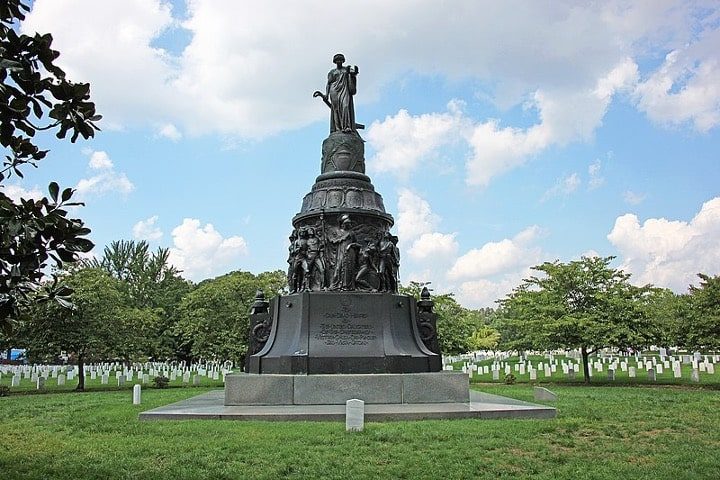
(415,217)
(100,161)
(246,71)
(434,245)
(633,198)
(201,251)
(107,181)
(170,132)
(686,87)
(16,192)
(669,253)
(563,187)
(403,141)
(147,230)
(498,257)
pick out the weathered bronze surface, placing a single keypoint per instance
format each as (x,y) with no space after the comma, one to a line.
(343,314)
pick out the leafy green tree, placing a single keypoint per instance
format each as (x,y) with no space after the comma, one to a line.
(484,338)
(35,231)
(153,289)
(582,304)
(214,317)
(90,330)
(455,324)
(701,314)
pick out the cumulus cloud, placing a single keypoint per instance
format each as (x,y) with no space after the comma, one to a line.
(669,253)
(201,251)
(403,140)
(147,230)
(498,257)
(686,87)
(107,180)
(246,71)
(100,161)
(16,192)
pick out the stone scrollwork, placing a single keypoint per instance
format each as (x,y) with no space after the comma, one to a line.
(427,321)
(260,325)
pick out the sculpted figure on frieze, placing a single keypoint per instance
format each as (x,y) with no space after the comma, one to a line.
(315,278)
(346,258)
(389,263)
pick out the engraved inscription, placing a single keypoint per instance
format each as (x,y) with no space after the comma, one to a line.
(345,333)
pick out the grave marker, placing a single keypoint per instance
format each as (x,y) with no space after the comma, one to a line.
(354,415)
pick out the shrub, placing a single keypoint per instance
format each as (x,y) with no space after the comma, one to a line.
(510,379)
(161,382)
(4,390)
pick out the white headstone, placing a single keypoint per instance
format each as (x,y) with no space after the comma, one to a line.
(695,375)
(136,394)
(15,381)
(121,381)
(196,380)
(496,375)
(40,383)
(522,369)
(710,368)
(70,375)
(547,371)
(533,374)
(186,377)
(104,379)
(631,372)
(677,371)
(354,415)
(611,374)
(651,374)
(61,379)
(659,368)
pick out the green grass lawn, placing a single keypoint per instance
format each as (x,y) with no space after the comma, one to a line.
(600,432)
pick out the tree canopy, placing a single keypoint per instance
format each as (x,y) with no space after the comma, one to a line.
(35,231)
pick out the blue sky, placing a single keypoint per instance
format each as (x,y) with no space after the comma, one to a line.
(500,134)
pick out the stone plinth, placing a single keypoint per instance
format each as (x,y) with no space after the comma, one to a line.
(409,388)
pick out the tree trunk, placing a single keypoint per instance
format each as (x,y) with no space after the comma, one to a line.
(9,354)
(586,367)
(81,373)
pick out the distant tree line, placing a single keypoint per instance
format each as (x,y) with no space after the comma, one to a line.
(588,305)
(131,304)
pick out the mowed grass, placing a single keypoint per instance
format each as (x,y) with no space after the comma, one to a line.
(600,433)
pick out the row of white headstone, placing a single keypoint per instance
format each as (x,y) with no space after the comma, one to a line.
(652,365)
(39,374)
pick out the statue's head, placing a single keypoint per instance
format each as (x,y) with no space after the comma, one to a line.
(339,57)
(311,232)
(345,221)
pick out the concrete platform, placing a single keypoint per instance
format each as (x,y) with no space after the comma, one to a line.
(210,406)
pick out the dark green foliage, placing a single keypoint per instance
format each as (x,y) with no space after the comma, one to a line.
(35,231)
(455,323)
(213,319)
(161,381)
(510,379)
(584,304)
(4,390)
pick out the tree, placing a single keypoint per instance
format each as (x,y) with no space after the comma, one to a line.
(153,289)
(484,338)
(582,304)
(90,330)
(455,324)
(34,231)
(214,318)
(701,314)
